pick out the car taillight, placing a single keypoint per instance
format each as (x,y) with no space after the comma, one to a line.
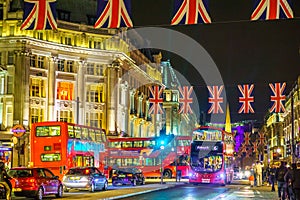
(114,175)
(129,175)
(31,181)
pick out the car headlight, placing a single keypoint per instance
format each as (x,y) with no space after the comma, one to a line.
(247,173)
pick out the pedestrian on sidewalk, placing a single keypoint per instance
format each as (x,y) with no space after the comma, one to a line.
(272,172)
(258,169)
(295,173)
(289,182)
(251,180)
(281,184)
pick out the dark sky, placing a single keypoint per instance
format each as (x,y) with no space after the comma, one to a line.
(245,52)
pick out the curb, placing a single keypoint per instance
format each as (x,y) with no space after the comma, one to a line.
(138,193)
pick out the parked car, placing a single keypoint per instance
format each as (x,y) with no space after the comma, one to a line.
(84,178)
(130,176)
(35,182)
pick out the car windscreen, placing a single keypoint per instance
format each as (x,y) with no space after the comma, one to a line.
(78,172)
(19,173)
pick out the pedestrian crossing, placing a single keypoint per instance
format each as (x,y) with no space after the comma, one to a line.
(243,193)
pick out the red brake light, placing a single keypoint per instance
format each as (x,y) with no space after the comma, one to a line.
(30,180)
(86,171)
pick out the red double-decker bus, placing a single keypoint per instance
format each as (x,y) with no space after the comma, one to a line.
(211,156)
(145,154)
(61,145)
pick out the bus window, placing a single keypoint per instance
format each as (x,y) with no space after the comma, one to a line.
(92,135)
(150,143)
(84,134)
(45,131)
(127,144)
(71,131)
(138,144)
(98,135)
(50,157)
(77,132)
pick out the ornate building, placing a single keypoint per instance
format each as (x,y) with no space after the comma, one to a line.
(75,74)
(291,124)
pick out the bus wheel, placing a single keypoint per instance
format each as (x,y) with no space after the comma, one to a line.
(167,173)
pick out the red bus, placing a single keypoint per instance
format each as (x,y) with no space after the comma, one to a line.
(144,153)
(59,146)
(211,156)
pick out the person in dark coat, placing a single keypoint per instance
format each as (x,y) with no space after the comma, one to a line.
(295,174)
(281,184)
(4,180)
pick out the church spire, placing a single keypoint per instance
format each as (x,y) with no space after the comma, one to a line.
(227,120)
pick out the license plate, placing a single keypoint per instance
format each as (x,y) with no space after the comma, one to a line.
(17,189)
(74,178)
(205,180)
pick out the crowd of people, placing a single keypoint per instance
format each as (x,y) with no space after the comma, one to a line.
(286,178)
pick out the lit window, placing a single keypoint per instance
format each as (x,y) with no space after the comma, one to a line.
(95,93)
(36,115)
(50,157)
(65,116)
(46,131)
(65,91)
(37,87)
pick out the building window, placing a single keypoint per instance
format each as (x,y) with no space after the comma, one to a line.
(94,119)
(9,116)
(32,61)
(37,87)
(63,15)
(95,94)
(41,62)
(97,45)
(65,91)
(2,83)
(65,116)
(91,19)
(36,115)
(68,41)
(70,66)
(10,84)
(95,69)
(11,57)
(66,66)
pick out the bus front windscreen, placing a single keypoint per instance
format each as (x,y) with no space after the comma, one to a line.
(206,156)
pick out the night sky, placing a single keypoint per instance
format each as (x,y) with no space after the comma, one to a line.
(245,52)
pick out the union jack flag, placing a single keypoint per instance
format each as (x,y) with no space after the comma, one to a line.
(186,100)
(246,98)
(215,99)
(190,12)
(247,138)
(278,97)
(156,100)
(272,9)
(39,15)
(261,139)
(113,14)
(255,146)
(243,149)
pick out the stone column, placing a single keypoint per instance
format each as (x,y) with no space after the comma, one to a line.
(80,97)
(112,96)
(52,65)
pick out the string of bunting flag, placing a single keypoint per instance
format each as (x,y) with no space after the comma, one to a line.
(41,14)
(246,99)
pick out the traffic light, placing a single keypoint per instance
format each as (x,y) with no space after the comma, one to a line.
(266,149)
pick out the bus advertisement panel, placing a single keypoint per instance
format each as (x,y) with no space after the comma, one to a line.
(211,156)
(61,145)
